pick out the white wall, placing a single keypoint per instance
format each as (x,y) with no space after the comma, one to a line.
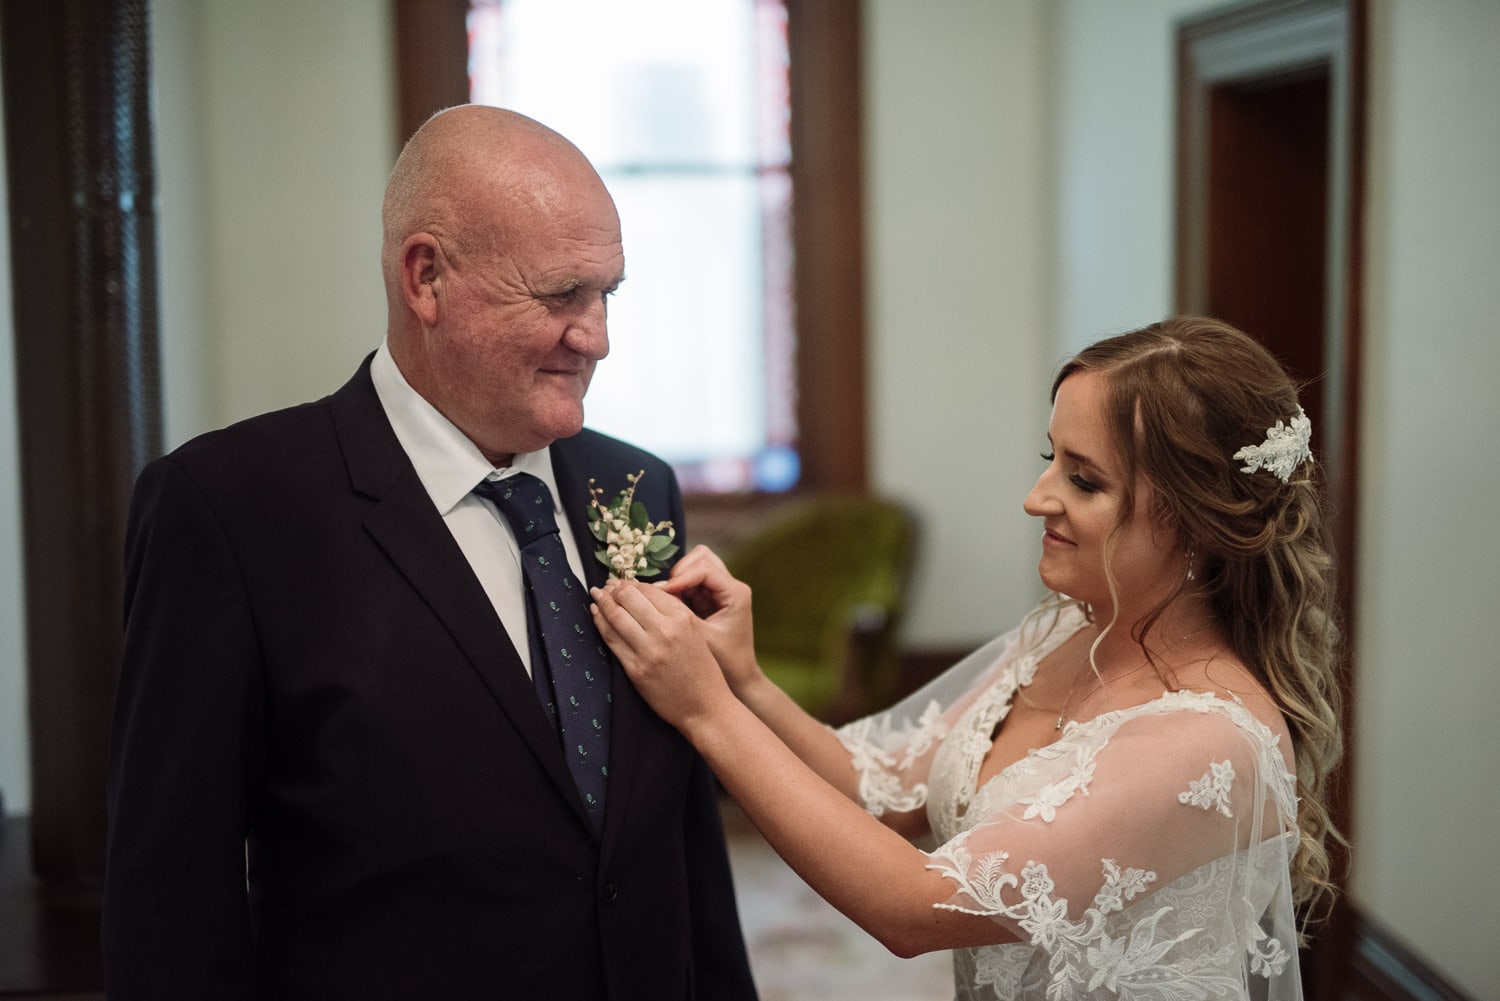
(956,173)
(1115,80)
(275,133)
(1426,738)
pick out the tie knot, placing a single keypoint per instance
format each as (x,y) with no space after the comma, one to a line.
(525,502)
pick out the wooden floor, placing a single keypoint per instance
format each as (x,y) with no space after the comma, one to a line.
(49,941)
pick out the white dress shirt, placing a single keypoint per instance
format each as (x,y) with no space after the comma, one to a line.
(450,466)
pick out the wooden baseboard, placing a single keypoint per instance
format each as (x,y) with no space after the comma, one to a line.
(1376,967)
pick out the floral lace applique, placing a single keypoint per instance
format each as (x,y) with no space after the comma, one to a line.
(1202,935)
(1086,955)
(1049,797)
(1120,885)
(880,788)
(1211,792)
(1268,960)
(1000,968)
(929,731)
(1025,671)
(971,740)
(1267,955)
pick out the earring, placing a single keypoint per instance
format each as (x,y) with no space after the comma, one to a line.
(1191,556)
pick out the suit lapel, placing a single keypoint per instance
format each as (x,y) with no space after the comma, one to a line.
(403,522)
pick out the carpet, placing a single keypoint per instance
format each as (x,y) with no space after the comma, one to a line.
(802,949)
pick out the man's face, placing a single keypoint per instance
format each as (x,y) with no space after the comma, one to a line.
(522,322)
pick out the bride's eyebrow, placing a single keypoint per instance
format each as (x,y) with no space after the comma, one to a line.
(1073,455)
(1084,460)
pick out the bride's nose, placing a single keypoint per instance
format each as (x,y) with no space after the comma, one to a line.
(1042,500)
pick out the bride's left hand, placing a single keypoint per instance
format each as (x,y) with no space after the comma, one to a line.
(661,644)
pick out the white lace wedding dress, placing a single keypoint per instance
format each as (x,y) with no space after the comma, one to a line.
(1144,855)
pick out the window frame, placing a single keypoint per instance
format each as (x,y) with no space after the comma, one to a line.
(431,43)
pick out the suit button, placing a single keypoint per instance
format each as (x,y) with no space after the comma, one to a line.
(611,891)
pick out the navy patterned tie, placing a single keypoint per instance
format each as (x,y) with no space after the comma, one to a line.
(569,662)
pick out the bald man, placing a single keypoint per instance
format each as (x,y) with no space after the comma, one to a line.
(331,775)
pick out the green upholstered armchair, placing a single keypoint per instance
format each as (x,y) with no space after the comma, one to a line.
(829,577)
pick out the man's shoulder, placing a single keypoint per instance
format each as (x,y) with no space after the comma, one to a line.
(277,438)
(590,445)
(267,437)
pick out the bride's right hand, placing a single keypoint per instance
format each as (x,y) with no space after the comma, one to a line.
(707,587)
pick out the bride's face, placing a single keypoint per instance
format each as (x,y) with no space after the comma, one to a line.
(1078,498)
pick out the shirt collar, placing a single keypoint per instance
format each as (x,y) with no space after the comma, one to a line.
(449,465)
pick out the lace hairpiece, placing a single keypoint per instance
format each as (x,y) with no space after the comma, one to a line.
(1284,449)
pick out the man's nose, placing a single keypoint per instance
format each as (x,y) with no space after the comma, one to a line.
(588,334)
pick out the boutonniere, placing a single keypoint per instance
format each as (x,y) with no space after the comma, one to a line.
(631,544)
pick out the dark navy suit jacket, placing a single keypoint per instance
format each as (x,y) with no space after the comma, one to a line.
(314,681)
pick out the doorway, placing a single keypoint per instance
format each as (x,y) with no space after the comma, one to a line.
(1269,180)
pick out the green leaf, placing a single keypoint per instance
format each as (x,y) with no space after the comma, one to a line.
(602,557)
(650,571)
(638,517)
(667,553)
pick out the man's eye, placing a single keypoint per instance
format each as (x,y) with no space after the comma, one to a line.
(561,300)
(1048,456)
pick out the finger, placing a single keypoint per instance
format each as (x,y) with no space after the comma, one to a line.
(689,571)
(625,632)
(645,602)
(705,584)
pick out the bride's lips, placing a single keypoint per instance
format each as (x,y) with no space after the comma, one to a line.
(1051,538)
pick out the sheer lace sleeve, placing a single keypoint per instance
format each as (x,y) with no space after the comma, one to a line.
(1143,855)
(892,751)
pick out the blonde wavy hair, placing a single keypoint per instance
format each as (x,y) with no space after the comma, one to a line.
(1182,396)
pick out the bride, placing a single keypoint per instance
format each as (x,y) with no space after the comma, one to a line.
(1123,797)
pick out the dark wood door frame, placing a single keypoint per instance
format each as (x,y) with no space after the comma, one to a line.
(1223,57)
(1262,41)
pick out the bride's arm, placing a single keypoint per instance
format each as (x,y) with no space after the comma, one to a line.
(868,871)
(723,604)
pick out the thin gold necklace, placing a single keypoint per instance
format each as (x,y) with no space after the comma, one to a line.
(1063,712)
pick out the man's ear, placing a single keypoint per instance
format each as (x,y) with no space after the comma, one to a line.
(421,275)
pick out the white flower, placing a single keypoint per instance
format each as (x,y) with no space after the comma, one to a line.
(1211,792)
(633,545)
